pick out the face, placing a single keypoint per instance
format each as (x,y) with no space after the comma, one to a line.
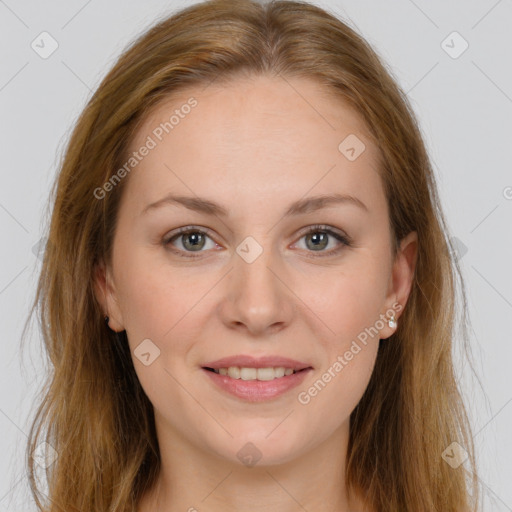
(259,271)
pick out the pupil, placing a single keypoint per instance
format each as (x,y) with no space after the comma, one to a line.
(319,240)
(196,238)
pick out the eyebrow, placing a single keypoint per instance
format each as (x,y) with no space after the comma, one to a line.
(302,206)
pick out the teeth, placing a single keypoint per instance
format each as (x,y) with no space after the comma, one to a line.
(236,372)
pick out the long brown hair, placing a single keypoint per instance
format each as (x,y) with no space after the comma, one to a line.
(94,412)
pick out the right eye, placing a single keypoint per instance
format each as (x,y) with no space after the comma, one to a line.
(190,238)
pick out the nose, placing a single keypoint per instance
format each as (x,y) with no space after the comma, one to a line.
(258,299)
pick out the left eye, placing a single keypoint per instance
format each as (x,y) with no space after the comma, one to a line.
(317,238)
(194,239)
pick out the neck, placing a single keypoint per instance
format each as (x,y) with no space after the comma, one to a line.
(192,479)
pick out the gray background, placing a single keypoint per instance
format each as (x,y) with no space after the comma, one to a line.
(464,105)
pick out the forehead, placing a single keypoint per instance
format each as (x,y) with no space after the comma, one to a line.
(261,133)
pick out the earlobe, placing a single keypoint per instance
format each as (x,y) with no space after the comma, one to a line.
(390,319)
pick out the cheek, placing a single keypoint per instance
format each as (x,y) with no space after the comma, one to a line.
(151,299)
(338,387)
(347,301)
(348,354)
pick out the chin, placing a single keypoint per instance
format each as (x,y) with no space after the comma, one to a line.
(264,447)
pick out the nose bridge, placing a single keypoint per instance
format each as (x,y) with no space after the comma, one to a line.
(258,297)
(252,270)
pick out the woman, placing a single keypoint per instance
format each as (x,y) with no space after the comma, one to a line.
(248,293)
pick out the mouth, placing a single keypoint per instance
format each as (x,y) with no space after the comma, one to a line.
(260,374)
(256,384)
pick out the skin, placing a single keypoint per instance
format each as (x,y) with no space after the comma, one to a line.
(254,146)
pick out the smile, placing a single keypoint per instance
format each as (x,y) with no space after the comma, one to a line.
(269,373)
(256,384)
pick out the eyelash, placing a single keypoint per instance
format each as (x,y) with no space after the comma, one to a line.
(345,240)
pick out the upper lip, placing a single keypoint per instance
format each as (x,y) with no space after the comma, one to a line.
(247,361)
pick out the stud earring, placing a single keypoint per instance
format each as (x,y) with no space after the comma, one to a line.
(392,321)
(107,319)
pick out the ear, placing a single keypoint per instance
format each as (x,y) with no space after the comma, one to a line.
(106,296)
(401,279)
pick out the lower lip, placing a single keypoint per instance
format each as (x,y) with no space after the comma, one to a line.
(258,390)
